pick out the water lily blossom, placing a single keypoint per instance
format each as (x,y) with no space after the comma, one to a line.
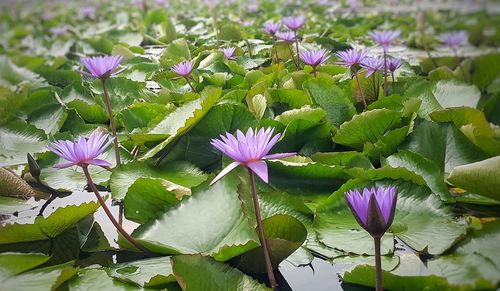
(372,65)
(82,152)
(294,23)
(101,67)
(351,57)
(393,64)
(454,40)
(271,28)
(314,58)
(287,36)
(373,208)
(183,69)
(229,53)
(250,149)
(385,38)
(374,211)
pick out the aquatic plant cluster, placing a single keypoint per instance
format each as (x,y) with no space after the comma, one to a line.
(226,143)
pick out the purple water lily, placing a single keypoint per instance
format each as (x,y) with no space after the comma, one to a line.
(82,152)
(287,36)
(271,28)
(56,31)
(294,23)
(351,57)
(454,39)
(250,149)
(372,65)
(183,69)
(373,208)
(385,38)
(88,11)
(228,53)
(101,67)
(314,58)
(393,64)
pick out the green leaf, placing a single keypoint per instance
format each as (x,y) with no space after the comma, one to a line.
(479,177)
(18,138)
(443,94)
(183,118)
(368,126)
(304,113)
(174,53)
(443,144)
(153,272)
(295,98)
(259,104)
(15,263)
(142,114)
(473,124)
(178,175)
(330,97)
(425,168)
(12,76)
(231,32)
(284,235)
(485,70)
(148,199)
(214,214)
(49,278)
(97,279)
(202,273)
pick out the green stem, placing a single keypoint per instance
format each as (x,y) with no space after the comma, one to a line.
(111,122)
(460,65)
(361,95)
(262,238)
(297,47)
(378,265)
(109,214)
(385,73)
(190,85)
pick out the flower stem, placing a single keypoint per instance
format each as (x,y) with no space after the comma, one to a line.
(109,214)
(262,238)
(190,85)
(275,51)
(216,27)
(314,72)
(361,95)
(111,122)
(293,58)
(374,85)
(297,47)
(460,65)
(378,265)
(385,73)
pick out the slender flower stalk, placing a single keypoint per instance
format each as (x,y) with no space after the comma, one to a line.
(103,68)
(385,39)
(272,28)
(84,152)
(294,23)
(184,70)
(251,150)
(352,59)
(374,210)
(420,22)
(454,40)
(372,65)
(314,58)
(288,37)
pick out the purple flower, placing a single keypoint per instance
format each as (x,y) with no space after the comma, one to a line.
(351,57)
(160,2)
(294,23)
(393,64)
(286,36)
(385,38)
(82,152)
(313,58)
(249,150)
(88,11)
(373,209)
(101,67)
(271,28)
(454,39)
(58,30)
(228,53)
(372,64)
(183,69)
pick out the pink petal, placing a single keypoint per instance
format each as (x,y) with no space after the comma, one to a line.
(260,169)
(224,171)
